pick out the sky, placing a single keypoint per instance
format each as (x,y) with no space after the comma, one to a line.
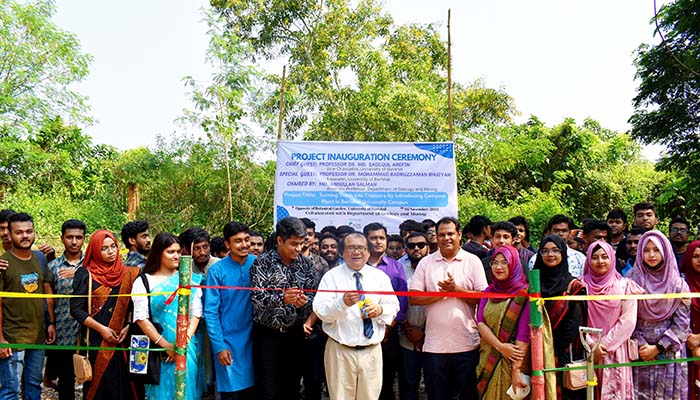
(556,58)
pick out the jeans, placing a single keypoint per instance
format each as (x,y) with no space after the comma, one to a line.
(451,376)
(22,366)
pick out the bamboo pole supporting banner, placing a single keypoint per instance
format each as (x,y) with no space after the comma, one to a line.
(536,343)
(183,318)
(450,119)
(280,121)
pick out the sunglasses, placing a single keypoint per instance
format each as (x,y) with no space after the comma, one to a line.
(420,245)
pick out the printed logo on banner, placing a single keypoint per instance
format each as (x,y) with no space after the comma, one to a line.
(281,213)
(441,149)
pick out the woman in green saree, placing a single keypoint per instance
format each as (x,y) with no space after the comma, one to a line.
(504,328)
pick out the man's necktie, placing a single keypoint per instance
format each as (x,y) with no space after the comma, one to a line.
(369,330)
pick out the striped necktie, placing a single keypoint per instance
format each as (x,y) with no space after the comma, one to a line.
(367,322)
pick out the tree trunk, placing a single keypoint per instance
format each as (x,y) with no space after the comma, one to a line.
(133,200)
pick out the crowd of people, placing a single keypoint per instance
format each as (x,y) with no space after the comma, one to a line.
(322,316)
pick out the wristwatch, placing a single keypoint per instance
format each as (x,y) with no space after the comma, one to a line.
(659,347)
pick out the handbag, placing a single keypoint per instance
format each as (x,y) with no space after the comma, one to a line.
(575,379)
(632,350)
(81,364)
(151,375)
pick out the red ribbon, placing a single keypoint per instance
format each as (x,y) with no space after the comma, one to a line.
(413,293)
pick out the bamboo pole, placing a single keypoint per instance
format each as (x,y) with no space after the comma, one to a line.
(450,119)
(281,116)
(183,319)
(536,342)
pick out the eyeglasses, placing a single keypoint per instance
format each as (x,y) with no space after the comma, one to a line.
(550,252)
(112,247)
(353,249)
(420,245)
(678,230)
(502,264)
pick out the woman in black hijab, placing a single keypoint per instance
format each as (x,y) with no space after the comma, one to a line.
(565,317)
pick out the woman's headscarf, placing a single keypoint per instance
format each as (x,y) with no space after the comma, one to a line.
(106,274)
(691,275)
(516,277)
(603,313)
(664,279)
(553,280)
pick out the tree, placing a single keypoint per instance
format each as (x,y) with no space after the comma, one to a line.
(667,104)
(38,62)
(355,76)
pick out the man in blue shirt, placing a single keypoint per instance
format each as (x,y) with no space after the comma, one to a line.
(229,316)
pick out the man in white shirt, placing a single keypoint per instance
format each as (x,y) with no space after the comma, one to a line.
(354,322)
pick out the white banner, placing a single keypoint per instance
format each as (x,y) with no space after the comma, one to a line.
(355,183)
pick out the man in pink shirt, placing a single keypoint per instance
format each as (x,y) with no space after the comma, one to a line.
(451,348)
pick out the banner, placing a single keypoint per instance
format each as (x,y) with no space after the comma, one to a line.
(355,183)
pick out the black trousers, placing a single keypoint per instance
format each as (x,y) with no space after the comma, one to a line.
(314,371)
(278,359)
(59,364)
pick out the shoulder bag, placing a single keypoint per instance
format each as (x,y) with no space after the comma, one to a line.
(81,364)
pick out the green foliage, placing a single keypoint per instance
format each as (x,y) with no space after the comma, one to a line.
(57,159)
(588,169)
(667,104)
(182,183)
(38,62)
(355,76)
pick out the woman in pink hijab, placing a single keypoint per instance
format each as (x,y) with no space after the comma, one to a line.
(617,319)
(663,325)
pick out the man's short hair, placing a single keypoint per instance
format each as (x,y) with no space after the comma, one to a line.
(679,220)
(428,223)
(395,238)
(374,226)
(447,220)
(132,229)
(193,235)
(234,228)
(520,220)
(289,227)
(637,231)
(73,224)
(256,234)
(560,219)
(217,245)
(19,217)
(596,224)
(417,234)
(5,214)
(617,214)
(341,244)
(644,205)
(411,225)
(477,224)
(329,229)
(308,223)
(504,226)
(325,236)
(345,230)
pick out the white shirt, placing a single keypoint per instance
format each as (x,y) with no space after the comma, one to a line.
(415,315)
(141,302)
(344,323)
